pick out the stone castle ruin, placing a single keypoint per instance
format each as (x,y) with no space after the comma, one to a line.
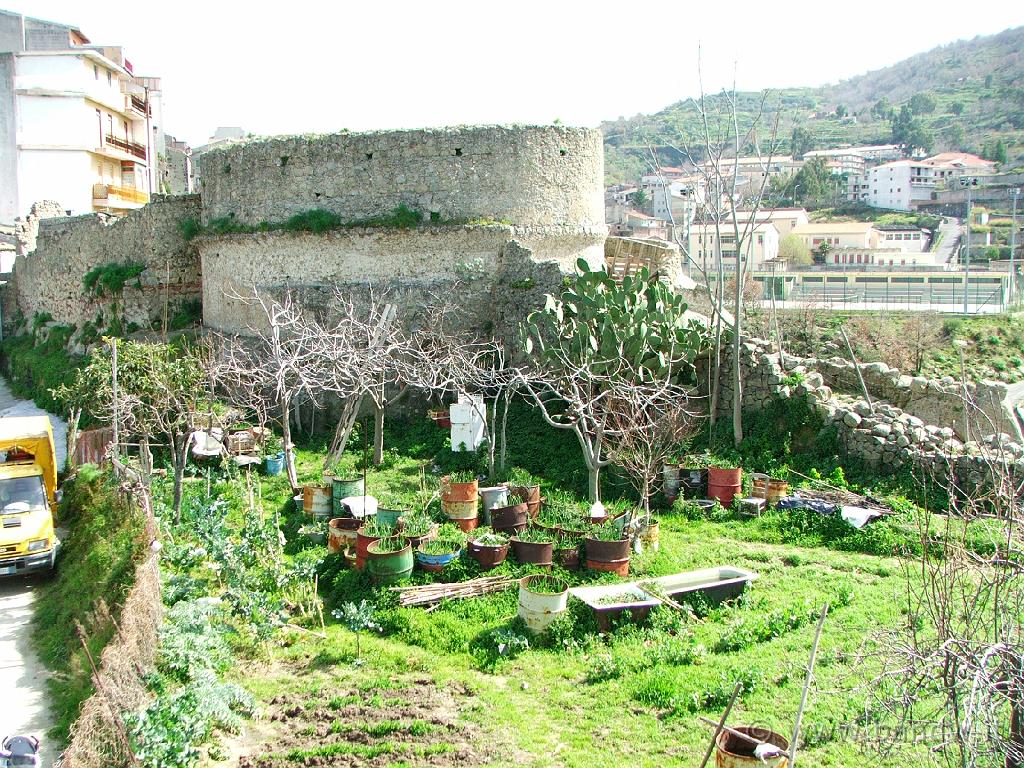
(506,213)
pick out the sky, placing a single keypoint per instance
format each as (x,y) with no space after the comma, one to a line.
(309,67)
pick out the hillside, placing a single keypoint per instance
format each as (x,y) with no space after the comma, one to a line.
(978,99)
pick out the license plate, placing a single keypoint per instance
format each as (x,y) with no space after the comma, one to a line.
(7,571)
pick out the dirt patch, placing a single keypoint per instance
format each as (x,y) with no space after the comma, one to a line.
(407,723)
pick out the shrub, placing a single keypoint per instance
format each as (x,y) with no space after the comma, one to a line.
(110,279)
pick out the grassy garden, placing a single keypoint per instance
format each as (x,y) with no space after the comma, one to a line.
(466,683)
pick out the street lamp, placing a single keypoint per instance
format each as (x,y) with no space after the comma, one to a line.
(968,184)
(1013,247)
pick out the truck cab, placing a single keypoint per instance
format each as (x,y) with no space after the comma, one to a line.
(28,489)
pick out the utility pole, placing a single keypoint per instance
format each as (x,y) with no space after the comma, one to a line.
(1013,247)
(968,184)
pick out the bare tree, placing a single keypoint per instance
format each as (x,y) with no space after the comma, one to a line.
(958,661)
(279,358)
(651,421)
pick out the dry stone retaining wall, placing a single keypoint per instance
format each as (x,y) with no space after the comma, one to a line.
(883,435)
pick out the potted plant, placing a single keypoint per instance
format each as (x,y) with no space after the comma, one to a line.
(459,496)
(526,487)
(314,532)
(389,559)
(434,554)
(607,549)
(724,481)
(512,518)
(567,552)
(273,455)
(533,546)
(489,549)
(372,530)
(541,600)
(417,527)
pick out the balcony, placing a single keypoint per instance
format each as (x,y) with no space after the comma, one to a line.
(131,147)
(111,196)
(138,105)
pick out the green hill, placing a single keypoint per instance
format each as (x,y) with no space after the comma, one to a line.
(969,96)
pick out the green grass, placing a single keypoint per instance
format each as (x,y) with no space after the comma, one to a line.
(32,369)
(97,563)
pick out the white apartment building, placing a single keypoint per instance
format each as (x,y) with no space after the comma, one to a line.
(902,184)
(784,219)
(840,234)
(76,124)
(760,245)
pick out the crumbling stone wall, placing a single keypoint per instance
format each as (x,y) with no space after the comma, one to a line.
(49,279)
(883,435)
(484,269)
(531,177)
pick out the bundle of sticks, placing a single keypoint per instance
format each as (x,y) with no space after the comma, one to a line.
(433,594)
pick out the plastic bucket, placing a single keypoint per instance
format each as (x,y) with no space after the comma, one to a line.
(491,498)
(389,567)
(274,465)
(316,500)
(342,487)
(539,609)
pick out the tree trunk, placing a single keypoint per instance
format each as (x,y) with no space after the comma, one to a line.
(594,479)
(490,427)
(289,449)
(73,422)
(378,436)
(146,458)
(504,431)
(342,431)
(179,455)
(1016,727)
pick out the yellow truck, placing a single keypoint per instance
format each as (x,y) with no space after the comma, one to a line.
(28,495)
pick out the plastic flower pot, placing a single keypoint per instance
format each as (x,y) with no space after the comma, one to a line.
(532,552)
(274,465)
(510,520)
(541,600)
(488,557)
(435,563)
(388,567)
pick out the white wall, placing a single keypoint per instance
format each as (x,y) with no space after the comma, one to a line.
(56,121)
(62,175)
(889,187)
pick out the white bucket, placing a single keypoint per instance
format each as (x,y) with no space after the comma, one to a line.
(537,609)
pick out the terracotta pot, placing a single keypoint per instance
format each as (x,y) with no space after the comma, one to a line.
(488,557)
(362,544)
(458,491)
(532,553)
(510,520)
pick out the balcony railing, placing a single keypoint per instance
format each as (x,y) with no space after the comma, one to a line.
(139,105)
(127,194)
(131,147)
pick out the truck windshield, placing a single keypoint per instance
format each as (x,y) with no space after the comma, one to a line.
(20,494)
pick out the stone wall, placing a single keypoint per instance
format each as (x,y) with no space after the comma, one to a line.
(50,278)
(535,177)
(883,435)
(492,275)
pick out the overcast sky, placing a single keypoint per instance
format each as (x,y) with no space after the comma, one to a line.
(298,67)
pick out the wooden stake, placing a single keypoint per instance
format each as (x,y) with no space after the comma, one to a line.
(856,367)
(807,686)
(721,723)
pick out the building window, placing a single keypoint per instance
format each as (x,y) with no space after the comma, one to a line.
(110,78)
(110,125)
(99,120)
(95,71)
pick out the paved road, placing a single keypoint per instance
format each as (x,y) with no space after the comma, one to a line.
(950,230)
(23,700)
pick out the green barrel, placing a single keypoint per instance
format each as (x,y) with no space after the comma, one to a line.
(342,488)
(389,567)
(389,516)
